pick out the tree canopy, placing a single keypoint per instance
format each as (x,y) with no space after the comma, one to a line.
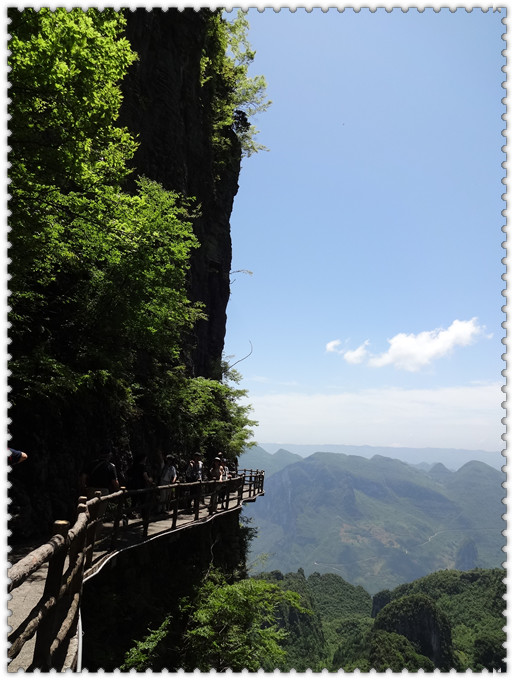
(100,313)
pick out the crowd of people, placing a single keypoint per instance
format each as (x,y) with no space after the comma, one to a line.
(100,474)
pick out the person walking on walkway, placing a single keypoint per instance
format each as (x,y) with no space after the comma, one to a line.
(216,472)
(194,473)
(138,479)
(99,475)
(168,476)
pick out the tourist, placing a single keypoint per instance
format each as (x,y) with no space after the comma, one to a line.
(216,471)
(168,476)
(14,457)
(138,479)
(99,475)
(194,473)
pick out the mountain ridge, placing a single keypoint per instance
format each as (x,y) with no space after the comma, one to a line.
(449,457)
(378,522)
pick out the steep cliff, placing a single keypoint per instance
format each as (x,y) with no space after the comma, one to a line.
(168,110)
(140,586)
(99,326)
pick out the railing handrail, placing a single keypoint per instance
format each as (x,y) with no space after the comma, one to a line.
(54,617)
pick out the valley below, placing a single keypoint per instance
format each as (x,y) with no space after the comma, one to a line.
(377,522)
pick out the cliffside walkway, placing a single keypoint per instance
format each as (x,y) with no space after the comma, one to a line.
(46,584)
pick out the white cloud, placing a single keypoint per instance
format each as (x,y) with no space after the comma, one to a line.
(412,352)
(357,356)
(352,356)
(332,346)
(466,417)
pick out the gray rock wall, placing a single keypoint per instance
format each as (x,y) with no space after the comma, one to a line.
(166,107)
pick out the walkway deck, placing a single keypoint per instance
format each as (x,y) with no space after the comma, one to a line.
(27,596)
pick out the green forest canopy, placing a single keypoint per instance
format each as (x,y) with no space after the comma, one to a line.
(100,316)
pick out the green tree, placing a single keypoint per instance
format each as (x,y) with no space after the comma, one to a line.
(305,643)
(141,656)
(392,651)
(236,95)
(354,641)
(100,317)
(233,626)
(67,158)
(212,416)
(418,618)
(489,651)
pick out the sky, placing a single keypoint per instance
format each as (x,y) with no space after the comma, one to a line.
(367,240)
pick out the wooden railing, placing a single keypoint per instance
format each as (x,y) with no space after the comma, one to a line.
(74,553)
(254,482)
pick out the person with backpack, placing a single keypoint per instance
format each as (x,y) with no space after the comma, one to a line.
(194,471)
(99,475)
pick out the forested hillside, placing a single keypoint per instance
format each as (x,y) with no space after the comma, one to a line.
(120,242)
(447,620)
(378,522)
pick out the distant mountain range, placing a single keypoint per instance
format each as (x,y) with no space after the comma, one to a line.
(453,459)
(377,522)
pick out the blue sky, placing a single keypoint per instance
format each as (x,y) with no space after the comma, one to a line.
(372,228)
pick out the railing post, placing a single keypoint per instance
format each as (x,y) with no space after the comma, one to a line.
(76,547)
(196,499)
(177,495)
(47,628)
(240,490)
(120,506)
(225,495)
(213,505)
(70,602)
(146,508)
(91,530)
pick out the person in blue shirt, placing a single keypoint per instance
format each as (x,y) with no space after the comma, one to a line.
(14,457)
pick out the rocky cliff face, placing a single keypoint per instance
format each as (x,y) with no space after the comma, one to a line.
(166,107)
(170,113)
(418,618)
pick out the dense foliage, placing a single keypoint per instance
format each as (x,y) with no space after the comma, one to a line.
(101,320)
(225,626)
(449,619)
(305,646)
(237,97)
(473,602)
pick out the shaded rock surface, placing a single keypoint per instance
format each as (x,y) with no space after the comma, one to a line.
(167,109)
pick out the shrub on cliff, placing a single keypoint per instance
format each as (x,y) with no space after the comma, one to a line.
(236,96)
